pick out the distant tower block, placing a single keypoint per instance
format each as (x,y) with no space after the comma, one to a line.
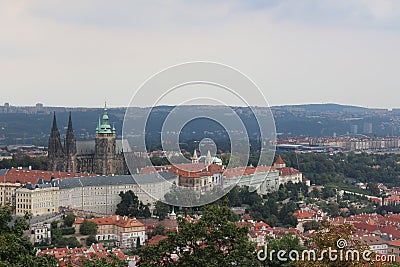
(367,128)
(354,129)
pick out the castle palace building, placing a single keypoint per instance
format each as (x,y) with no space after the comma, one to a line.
(104,155)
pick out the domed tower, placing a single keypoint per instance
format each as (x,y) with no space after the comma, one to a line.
(105,146)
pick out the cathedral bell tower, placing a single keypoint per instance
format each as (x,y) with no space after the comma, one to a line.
(105,146)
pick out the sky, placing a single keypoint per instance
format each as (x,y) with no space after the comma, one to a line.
(81,53)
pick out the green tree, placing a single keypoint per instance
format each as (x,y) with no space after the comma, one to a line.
(373,189)
(138,245)
(158,230)
(212,241)
(328,192)
(88,228)
(161,210)
(90,240)
(327,237)
(69,219)
(311,225)
(111,261)
(315,193)
(131,206)
(16,250)
(288,242)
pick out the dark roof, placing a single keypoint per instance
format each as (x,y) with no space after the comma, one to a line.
(3,172)
(65,183)
(85,147)
(88,147)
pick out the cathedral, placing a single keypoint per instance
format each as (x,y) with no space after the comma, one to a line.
(104,155)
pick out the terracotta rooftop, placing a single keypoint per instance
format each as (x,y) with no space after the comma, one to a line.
(117,220)
(156,239)
(24,176)
(279,160)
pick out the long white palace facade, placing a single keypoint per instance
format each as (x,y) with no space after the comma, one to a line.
(97,194)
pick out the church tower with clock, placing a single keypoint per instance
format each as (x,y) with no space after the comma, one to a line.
(105,146)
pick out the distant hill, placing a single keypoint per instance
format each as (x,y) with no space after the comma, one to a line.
(31,125)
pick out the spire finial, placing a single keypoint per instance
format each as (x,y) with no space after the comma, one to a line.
(54,121)
(208,159)
(104,127)
(70,122)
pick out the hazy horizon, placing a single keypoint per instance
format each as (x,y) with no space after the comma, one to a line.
(111,106)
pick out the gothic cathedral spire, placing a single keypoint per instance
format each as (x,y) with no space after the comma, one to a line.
(70,146)
(55,148)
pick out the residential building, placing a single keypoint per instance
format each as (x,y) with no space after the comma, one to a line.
(394,248)
(36,201)
(41,233)
(126,232)
(200,176)
(7,192)
(287,174)
(375,243)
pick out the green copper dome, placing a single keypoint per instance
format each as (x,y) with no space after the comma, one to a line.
(104,126)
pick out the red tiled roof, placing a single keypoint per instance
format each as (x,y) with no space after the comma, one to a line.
(24,176)
(152,169)
(241,171)
(195,170)
(395,243)
(156,239)
(304,214)
(117,220)
(74,256)
(279,160)
(287,171)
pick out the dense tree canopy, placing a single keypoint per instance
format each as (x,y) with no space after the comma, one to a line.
(88,228)
(16,250)
(37,163)
(131,206)
(161,210)
(212,241)
(323,169)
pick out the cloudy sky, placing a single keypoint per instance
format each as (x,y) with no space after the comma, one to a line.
(80,53)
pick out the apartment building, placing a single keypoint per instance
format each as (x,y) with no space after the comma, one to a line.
(7,192)
(36,201)
(126,232)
